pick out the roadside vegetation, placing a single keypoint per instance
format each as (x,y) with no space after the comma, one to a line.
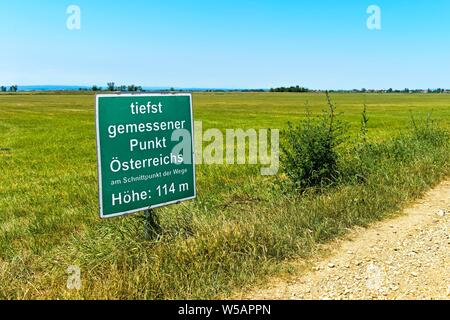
(342,167)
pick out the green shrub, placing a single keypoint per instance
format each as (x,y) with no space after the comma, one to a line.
(368,158)
(428,130)
(309,149)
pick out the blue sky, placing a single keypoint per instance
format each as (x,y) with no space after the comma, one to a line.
(234,43)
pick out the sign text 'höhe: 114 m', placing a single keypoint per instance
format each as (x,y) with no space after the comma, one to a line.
(145,150)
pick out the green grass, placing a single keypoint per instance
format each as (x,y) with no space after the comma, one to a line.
(241,228)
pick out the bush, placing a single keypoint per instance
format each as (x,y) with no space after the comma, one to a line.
(429,131)
(369,158)
(309,149)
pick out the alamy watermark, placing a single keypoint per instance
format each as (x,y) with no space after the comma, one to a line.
(239,146)
(74,278)
(374,19)
(375,277)
(74,19)
(212,147)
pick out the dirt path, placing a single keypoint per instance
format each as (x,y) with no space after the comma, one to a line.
(404,258)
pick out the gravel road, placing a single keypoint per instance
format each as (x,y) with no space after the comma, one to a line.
(407,257)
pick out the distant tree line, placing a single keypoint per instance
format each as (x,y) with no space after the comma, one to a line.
(122,88)
(390,90)
(111,86)
(132,88)
(233,90)
(12,88)
(290,89)
(363,90)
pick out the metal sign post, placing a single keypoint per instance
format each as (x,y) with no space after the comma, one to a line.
(151,225)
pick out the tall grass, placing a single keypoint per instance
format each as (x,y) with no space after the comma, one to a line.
(209,253)
(240,229)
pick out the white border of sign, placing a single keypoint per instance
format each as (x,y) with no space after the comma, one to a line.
(99,162)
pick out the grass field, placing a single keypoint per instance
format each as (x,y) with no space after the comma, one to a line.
(241,228)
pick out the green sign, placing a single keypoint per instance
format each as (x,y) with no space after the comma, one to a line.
(145,151)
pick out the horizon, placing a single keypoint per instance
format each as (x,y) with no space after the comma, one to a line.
(320,45)
(51,87)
